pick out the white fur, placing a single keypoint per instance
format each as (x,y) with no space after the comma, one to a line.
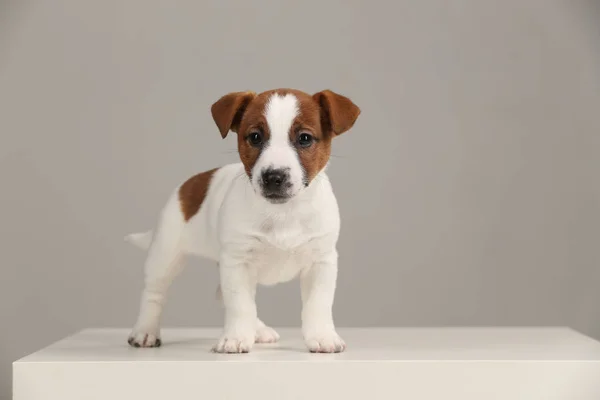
(254,242)
(279,153)
(142,239)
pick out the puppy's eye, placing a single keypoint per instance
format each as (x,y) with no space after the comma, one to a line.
(255,138)
(305,140)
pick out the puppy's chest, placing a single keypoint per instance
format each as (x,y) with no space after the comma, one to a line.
(282,251)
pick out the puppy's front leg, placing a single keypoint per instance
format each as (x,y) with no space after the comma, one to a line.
(238,288)
(318,289)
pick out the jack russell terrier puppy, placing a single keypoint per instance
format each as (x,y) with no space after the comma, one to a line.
(265,220)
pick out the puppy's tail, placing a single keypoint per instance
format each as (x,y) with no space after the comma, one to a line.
(141,239)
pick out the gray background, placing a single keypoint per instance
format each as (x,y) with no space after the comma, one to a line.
(468,188)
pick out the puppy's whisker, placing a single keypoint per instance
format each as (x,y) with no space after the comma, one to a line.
(241,175)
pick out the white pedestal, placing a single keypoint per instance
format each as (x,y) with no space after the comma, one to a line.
(419,363)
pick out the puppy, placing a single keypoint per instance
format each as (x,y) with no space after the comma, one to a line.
(265,220)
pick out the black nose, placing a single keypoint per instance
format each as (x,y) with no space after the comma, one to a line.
(274,180)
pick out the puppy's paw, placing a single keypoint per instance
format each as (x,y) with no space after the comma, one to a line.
(266,334)
(144,338)
(234,344)
(327,342)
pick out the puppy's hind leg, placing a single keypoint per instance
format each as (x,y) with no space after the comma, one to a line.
(264,333)
(163,264)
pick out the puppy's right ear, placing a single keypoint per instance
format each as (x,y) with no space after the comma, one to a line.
(229,109)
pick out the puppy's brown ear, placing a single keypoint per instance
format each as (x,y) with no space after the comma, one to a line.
(229,109)
(338,113)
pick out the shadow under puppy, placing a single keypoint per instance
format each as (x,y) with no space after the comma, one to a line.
(267,219)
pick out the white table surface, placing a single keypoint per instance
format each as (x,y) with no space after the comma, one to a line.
(544,363)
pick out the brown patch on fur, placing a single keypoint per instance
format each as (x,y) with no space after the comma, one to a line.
(252,119)
(338,112)
(229,109)
(313,158)
(193,192)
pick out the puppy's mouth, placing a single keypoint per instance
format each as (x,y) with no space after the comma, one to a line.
(276,198)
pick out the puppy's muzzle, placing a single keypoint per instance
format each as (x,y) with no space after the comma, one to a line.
(276,184)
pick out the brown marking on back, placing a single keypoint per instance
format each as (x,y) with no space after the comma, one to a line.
(193,192)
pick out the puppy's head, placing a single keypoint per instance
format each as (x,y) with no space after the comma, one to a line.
(284,135)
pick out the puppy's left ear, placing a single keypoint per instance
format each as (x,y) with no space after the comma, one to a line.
(338,113)
(229,110)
